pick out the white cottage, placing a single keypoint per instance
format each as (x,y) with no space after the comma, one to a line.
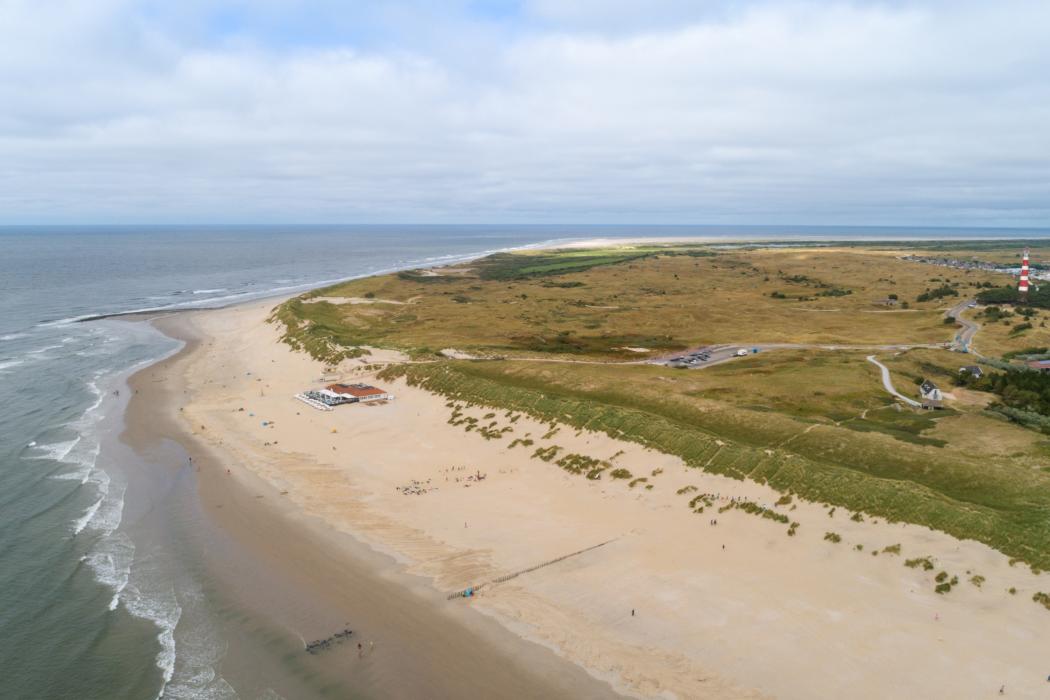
(930,394)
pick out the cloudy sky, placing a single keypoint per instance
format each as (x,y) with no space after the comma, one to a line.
(929,112)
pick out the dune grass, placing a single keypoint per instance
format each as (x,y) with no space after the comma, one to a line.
(814,424)
(999,502)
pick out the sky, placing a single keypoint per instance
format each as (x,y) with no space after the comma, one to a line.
(930,112)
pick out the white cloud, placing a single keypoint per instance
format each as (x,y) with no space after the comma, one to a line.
(813,112)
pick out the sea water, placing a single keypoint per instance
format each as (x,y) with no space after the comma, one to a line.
(100,592)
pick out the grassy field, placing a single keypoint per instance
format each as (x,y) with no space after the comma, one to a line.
(561,325)
(600,303)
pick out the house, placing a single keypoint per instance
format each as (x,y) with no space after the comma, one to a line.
(1039,365)
(360,392)
(972,370)
(929,390)
(931,396)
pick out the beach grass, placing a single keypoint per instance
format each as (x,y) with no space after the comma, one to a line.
(1000,502)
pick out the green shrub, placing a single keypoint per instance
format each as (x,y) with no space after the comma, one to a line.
(925,562)
(546,453)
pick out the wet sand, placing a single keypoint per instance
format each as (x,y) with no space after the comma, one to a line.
(303,581)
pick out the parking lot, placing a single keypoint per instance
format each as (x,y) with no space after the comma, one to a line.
(705,356)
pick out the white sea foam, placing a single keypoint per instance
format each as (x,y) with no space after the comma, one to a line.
(14,336)
(40,351)
(80,523)
(147,600)
(200,647)
(82,458)
(56,451)
(106,513)
(110,560)
(210,291)
(108,516)
(8,364)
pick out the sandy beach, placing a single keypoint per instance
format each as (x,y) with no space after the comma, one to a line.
(671,605)
(291,575)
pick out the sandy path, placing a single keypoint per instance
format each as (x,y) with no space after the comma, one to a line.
(737,609)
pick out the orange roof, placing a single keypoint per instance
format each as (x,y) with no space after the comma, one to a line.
(358,390)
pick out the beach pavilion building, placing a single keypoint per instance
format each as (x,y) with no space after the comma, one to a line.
(362,393)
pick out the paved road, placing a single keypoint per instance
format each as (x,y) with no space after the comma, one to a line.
(888,383)
(725,353)
(964,338)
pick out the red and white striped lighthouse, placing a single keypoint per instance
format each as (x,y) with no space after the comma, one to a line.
(1022,286)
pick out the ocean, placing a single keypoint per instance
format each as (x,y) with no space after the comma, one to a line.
(103,593)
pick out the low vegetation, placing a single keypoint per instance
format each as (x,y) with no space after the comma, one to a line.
(1037,297)
(755,509)
(938,293)
(926,563)
(816,425)
(1026,393)
(944,584)
(959,492)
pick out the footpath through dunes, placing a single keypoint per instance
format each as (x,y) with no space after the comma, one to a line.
(714,587)
(888,383)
